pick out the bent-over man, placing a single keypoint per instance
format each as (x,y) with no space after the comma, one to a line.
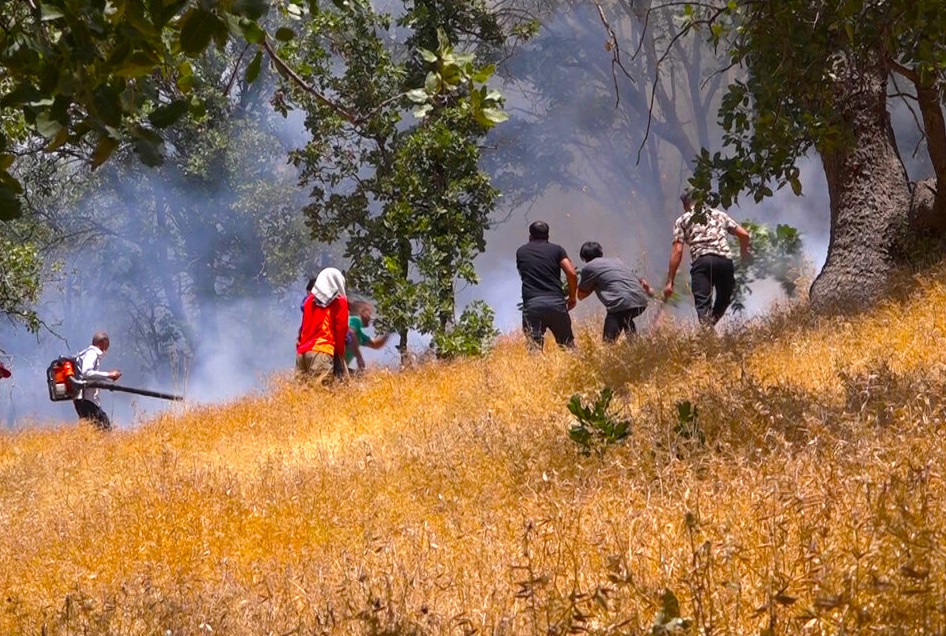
(712,269)
(87,400)
(544,304)
(623,294)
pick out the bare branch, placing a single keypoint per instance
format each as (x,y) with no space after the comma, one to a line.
(906,72)
(236,67)
(717,11)
(615,49)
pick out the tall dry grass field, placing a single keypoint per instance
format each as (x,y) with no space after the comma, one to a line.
(808,496)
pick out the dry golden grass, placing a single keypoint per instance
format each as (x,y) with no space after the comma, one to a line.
(449,498)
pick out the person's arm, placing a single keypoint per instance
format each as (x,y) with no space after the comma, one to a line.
(745,243)
(377,343)
(356,350)
(88,372)
(647,288)
(586,283)
(676,257)
(572,277)
(341,327)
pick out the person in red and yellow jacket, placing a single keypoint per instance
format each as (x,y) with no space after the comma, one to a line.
(324,327)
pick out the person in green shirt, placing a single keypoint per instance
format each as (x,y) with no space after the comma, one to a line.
(360,313)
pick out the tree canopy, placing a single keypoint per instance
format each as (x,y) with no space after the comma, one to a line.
(820,77)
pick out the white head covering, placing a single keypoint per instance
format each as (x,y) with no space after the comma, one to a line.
(329,285)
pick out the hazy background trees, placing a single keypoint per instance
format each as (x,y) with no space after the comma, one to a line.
(192,237)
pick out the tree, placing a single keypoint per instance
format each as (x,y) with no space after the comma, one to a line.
(820,77)
(93,74)
(408,198)
(601,118)
(167,251)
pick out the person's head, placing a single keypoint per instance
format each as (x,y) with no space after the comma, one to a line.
(362,309)
(688,199)
(100,340)
(329,285)
(590,251)
(310,285)
(539,231)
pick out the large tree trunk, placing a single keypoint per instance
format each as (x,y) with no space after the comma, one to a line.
(870,195)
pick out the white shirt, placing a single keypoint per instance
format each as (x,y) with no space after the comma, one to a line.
(89,361)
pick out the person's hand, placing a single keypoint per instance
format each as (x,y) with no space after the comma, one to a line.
(114,375)
(668,290)
(571,303)
(648,290)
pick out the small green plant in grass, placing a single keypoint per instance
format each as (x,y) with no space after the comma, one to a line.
(688,425)
(596,428)
(668,620)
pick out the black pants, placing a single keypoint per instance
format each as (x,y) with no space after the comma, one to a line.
(618,322)
(536,320)
(712,272)
(89,410)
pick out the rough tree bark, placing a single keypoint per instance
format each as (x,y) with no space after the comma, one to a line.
(870,194)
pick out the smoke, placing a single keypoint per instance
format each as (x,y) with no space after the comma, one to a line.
(229,261)
(195,269)
(569,156)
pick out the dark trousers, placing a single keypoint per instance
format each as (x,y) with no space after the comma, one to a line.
(712,272)
(618,322)
(89,410)
(537,319)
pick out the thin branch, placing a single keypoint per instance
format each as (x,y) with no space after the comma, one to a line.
(236,67)
(718,72)
(907,72)
(653,91)
(916,119)
(902,95)
(286,71)
(615,48)
(640,44)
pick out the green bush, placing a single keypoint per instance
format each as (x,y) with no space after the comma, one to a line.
(596,428)
(471,336)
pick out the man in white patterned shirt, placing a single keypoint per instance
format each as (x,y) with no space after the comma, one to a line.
(705,232)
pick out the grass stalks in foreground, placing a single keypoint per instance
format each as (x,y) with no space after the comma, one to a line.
(804,496)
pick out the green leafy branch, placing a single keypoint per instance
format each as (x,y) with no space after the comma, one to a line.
(596,428)
(451,74)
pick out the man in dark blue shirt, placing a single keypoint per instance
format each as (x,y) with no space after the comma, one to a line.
(544,305)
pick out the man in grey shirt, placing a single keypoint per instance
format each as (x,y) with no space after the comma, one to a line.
(622,293)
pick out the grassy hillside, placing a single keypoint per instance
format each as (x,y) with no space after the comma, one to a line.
(806,498)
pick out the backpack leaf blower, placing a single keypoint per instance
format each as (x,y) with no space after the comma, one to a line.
(64,383)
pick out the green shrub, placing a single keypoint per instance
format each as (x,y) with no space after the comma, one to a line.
(596,428)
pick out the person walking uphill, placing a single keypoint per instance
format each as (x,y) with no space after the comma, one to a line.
(622,293)
(544,305)
(324,327)
(87,400)
(711,268)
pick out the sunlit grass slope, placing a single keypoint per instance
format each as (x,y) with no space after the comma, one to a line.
(449,498)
